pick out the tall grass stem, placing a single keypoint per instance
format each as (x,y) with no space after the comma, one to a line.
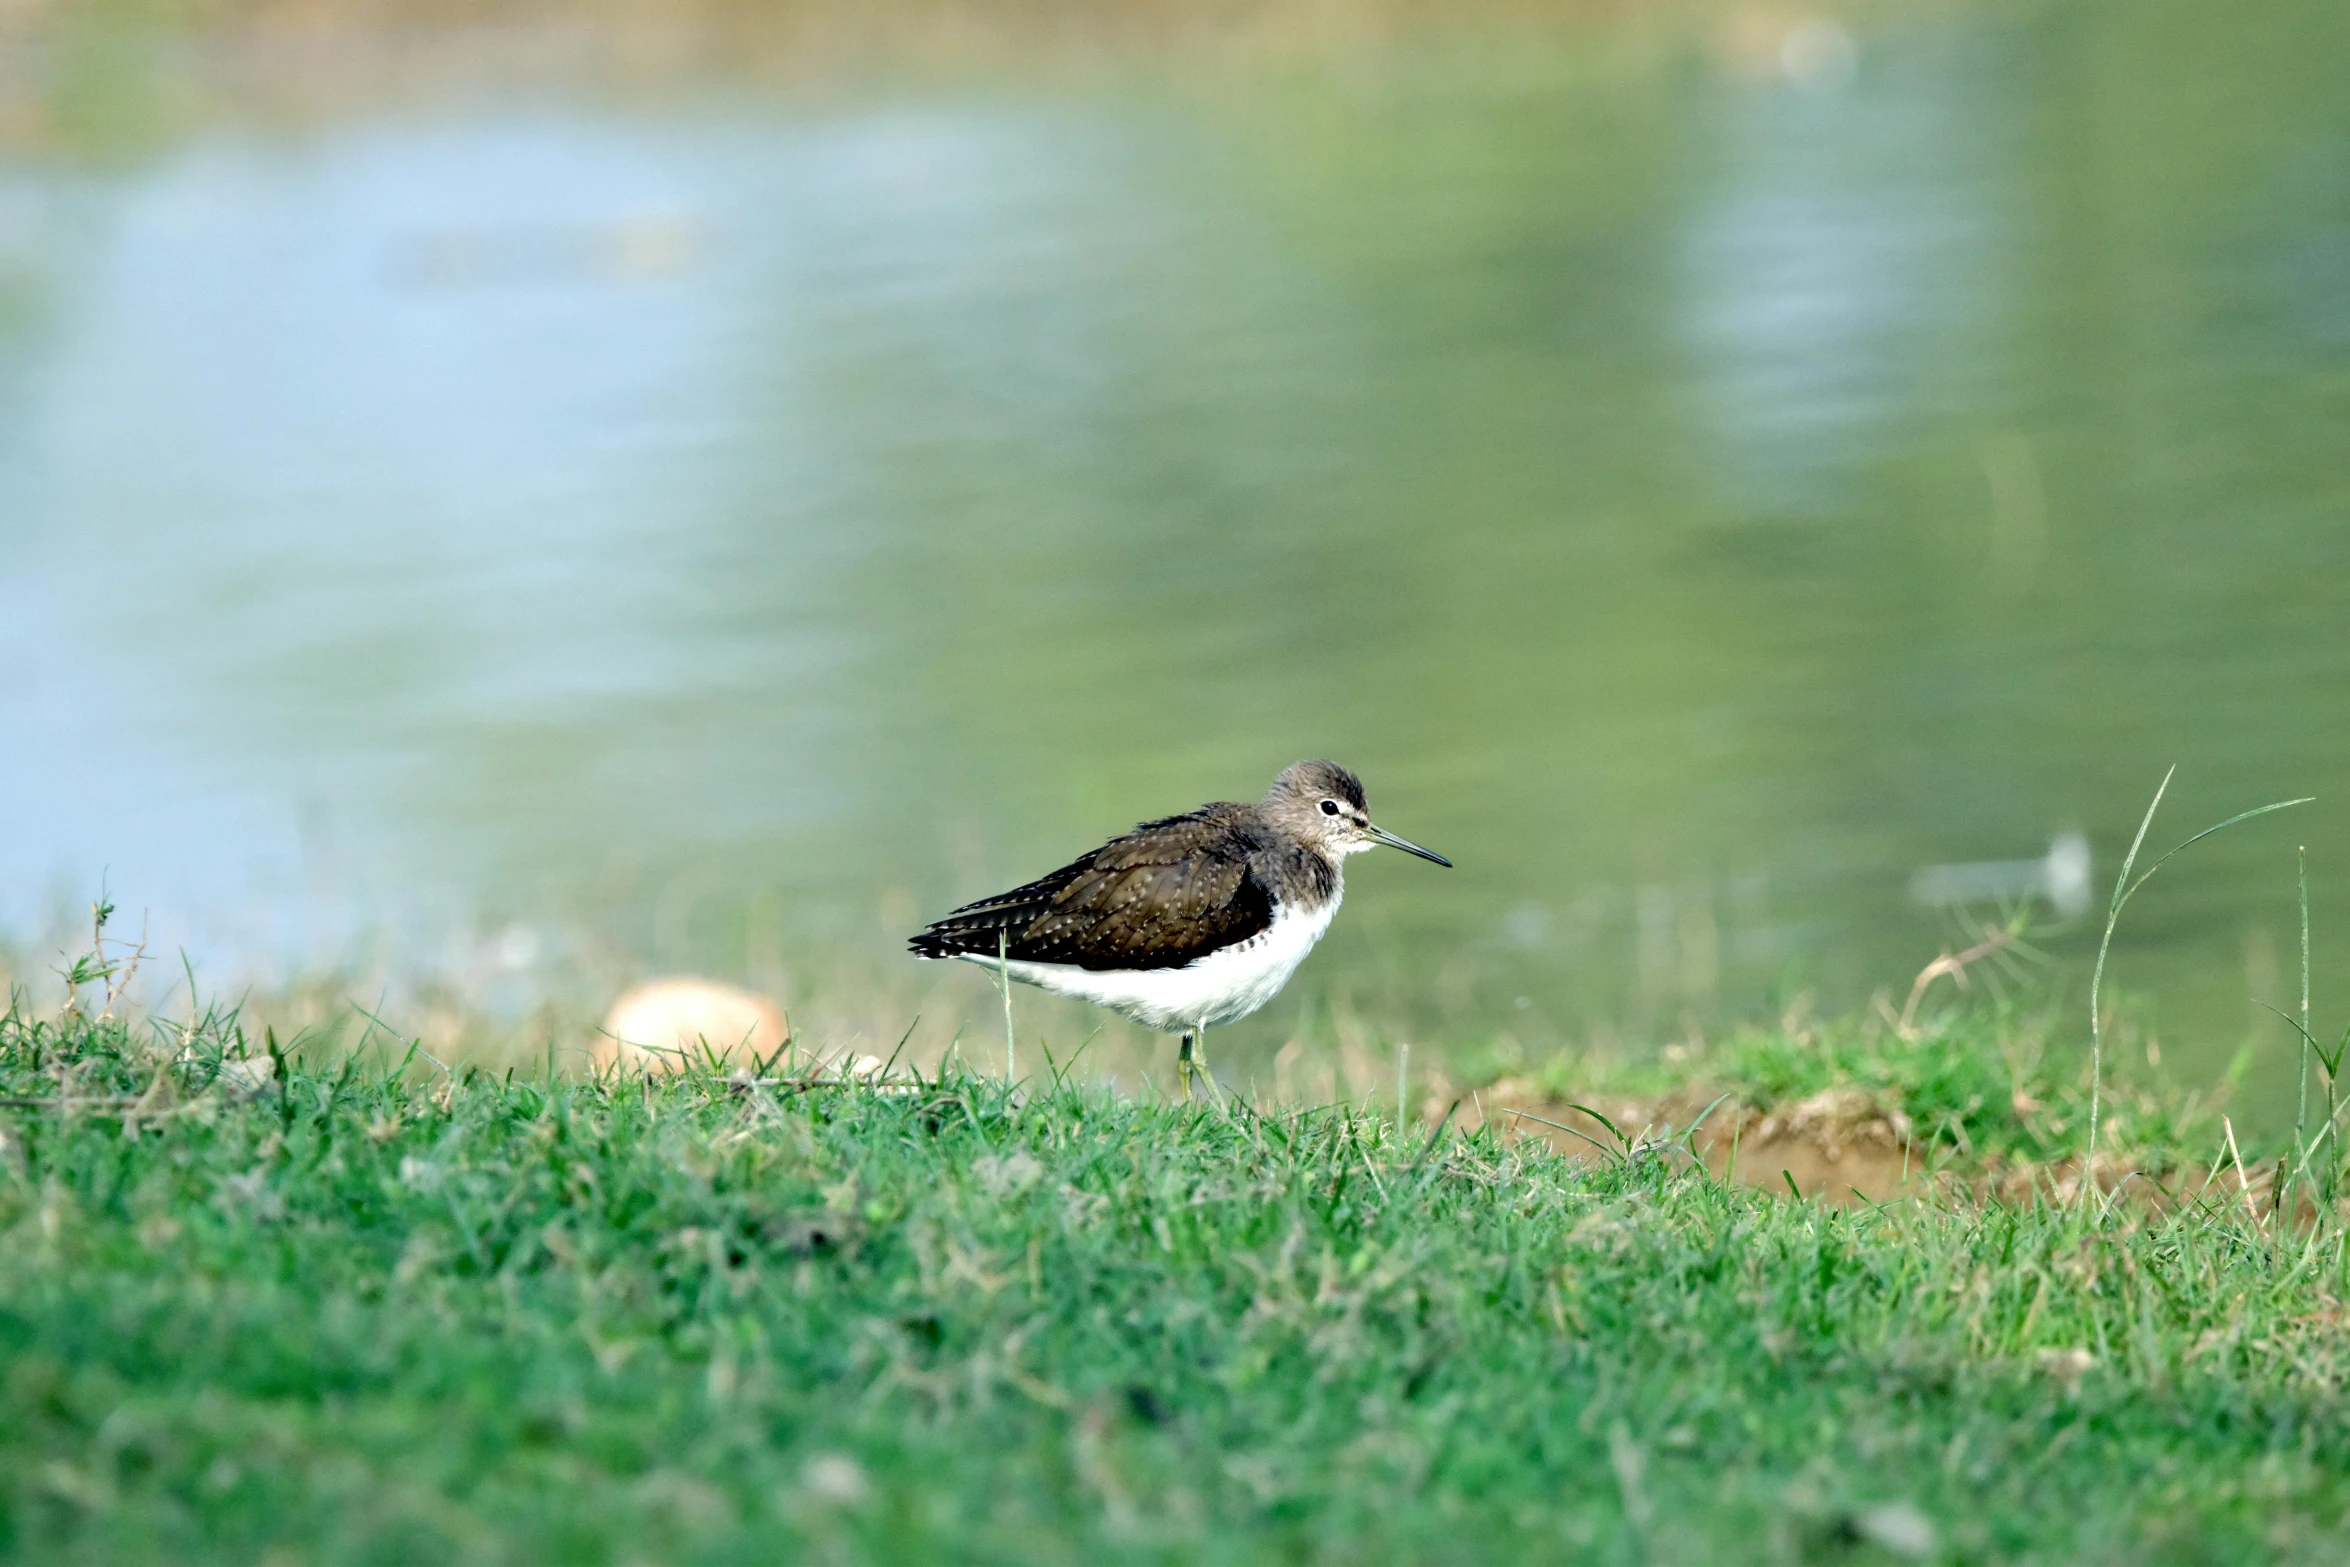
(2113,916)
(2301,1101)
(2123,888)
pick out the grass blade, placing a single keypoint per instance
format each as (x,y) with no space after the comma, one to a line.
(1560,1126)
(1614,1130)
(2241,816)
(2113,915)
(2123,888)
(2301,1100)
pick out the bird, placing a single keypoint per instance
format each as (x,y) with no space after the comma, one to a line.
(1187,922)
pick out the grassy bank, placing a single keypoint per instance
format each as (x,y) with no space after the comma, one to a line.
(1985,1099)
(322,1311)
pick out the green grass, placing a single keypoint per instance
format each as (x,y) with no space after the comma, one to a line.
(350,1314)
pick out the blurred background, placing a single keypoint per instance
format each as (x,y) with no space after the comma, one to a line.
(497,500)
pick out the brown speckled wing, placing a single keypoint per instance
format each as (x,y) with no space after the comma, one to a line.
(1158,897)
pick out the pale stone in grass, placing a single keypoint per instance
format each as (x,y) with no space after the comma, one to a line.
(663,1023)
(836,1478)
(1899,1528)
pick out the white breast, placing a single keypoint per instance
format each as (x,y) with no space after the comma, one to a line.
(1223,987)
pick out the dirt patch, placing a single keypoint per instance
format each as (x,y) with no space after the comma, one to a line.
(1841,1146)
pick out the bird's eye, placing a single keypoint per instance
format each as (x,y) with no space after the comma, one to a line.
(1329,807)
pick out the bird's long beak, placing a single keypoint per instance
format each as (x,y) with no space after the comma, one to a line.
(1393,842)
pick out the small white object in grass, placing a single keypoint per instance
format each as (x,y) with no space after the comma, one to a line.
(2066,1365)
(836,1478)
(667,1022)
(1899,1528)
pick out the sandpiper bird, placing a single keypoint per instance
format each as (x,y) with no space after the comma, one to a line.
(1186,922)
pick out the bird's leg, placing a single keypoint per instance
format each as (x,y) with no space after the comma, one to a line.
(1199,1062)
(1183,1065)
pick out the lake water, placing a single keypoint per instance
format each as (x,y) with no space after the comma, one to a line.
(1700,482)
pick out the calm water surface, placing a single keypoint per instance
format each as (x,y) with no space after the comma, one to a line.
(1697,496)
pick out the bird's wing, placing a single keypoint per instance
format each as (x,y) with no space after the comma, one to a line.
(1158,897)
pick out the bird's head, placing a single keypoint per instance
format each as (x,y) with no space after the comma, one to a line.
(1322,803)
